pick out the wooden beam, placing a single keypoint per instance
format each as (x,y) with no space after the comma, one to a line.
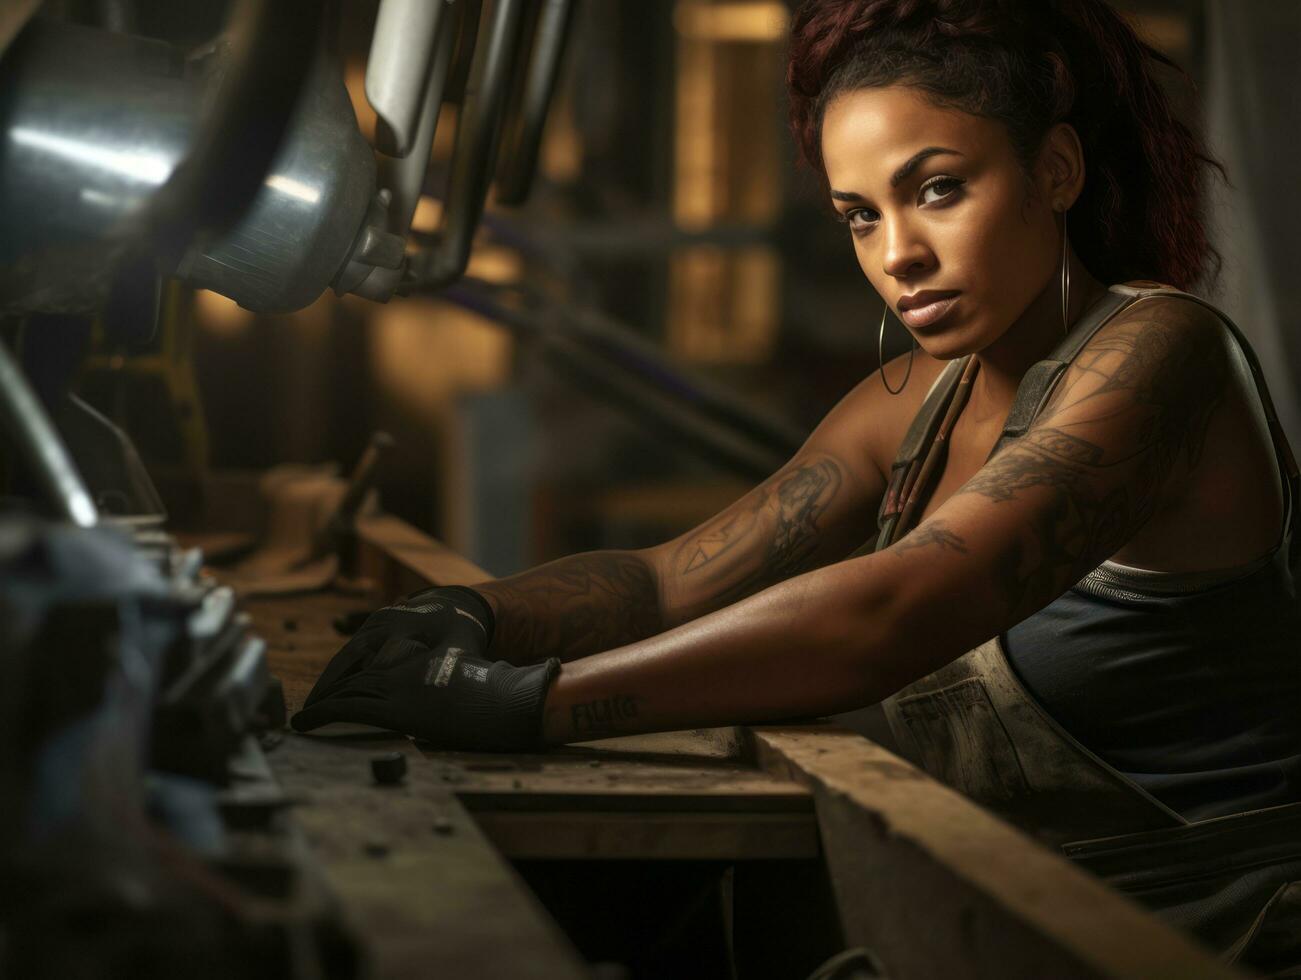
(673,796)
(595,835)
(938,887)
(400,558)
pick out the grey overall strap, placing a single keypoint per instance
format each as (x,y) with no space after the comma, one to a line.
(1042,378)
(1282,448)
(1034,388)
(912,451)
(1039,381)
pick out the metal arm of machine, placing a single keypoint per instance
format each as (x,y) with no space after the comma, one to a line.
(519,161)
(119,147)
(398,69)
(39,443)
(478,137)
(404,175)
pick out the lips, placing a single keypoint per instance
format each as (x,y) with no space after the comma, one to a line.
(921,310)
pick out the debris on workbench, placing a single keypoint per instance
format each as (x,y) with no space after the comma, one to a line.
(389,769)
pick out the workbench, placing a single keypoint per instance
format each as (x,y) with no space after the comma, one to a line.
(796,840)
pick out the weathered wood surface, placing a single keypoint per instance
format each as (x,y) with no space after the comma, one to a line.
(644,798)
(419,884)
(699,800)
(940,888)
(932,883)
(300,635)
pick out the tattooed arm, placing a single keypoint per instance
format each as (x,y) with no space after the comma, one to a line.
(574,606)
(816,509)
(810,512)
(1120,439)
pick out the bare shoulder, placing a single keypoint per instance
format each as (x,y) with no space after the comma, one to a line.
(1177,319)
(1179,313)
(871,418)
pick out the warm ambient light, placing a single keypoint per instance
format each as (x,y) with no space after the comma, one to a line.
(429,214)
(219,315)
(757,20)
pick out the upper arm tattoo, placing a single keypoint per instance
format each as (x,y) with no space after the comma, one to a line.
(776,532)
(1131,410)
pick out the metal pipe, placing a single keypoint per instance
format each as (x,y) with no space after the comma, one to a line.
(405,176)
(620,344)
(519,161)
(401,53)
(624,350)
(23,415)
(478,137)
(664,399)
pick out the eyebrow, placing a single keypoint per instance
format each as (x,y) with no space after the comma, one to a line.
(902,174)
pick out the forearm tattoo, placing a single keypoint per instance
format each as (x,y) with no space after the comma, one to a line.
(771,535)
(574,607)
(1155,382)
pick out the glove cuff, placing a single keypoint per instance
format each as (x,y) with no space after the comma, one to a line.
(468,600)
(523,700)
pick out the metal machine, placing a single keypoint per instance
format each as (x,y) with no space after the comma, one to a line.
(133,694)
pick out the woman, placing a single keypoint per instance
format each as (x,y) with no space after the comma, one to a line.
(1120,529)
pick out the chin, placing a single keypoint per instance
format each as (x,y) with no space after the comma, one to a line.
(957,341)
(948,347)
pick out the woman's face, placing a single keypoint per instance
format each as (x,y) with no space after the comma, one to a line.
(945,223)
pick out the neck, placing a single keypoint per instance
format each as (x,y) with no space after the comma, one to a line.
(1031,338)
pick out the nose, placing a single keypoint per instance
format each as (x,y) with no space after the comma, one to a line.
(906,254)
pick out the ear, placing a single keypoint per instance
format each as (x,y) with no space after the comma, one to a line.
(1059,172)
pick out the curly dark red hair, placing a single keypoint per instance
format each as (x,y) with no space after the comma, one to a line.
(1031,64)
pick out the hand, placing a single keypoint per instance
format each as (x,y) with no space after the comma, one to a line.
(418,668)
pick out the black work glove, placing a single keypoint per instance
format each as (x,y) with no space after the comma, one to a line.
(418,667)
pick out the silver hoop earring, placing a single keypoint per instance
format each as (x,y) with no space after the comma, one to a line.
(1066,280)
(880,356)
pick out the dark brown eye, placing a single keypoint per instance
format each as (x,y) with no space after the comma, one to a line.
(861,218)
(938,188)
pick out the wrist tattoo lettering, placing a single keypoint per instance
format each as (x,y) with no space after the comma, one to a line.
(603,716)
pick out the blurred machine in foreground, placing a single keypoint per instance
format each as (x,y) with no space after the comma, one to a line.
(144,144)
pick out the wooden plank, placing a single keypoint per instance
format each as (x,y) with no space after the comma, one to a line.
(675,836)
(644,799)
(300,635)
(938,887)
(401,558)
(641,781)
(418,882)
(699,743)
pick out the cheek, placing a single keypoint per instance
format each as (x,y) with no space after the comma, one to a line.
(1012,245)
(869,262)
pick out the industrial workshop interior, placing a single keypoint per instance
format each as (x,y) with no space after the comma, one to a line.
(649,489)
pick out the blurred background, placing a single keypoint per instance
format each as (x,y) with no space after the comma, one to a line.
(668,205)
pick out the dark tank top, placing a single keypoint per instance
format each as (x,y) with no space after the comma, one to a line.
(1190,685)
